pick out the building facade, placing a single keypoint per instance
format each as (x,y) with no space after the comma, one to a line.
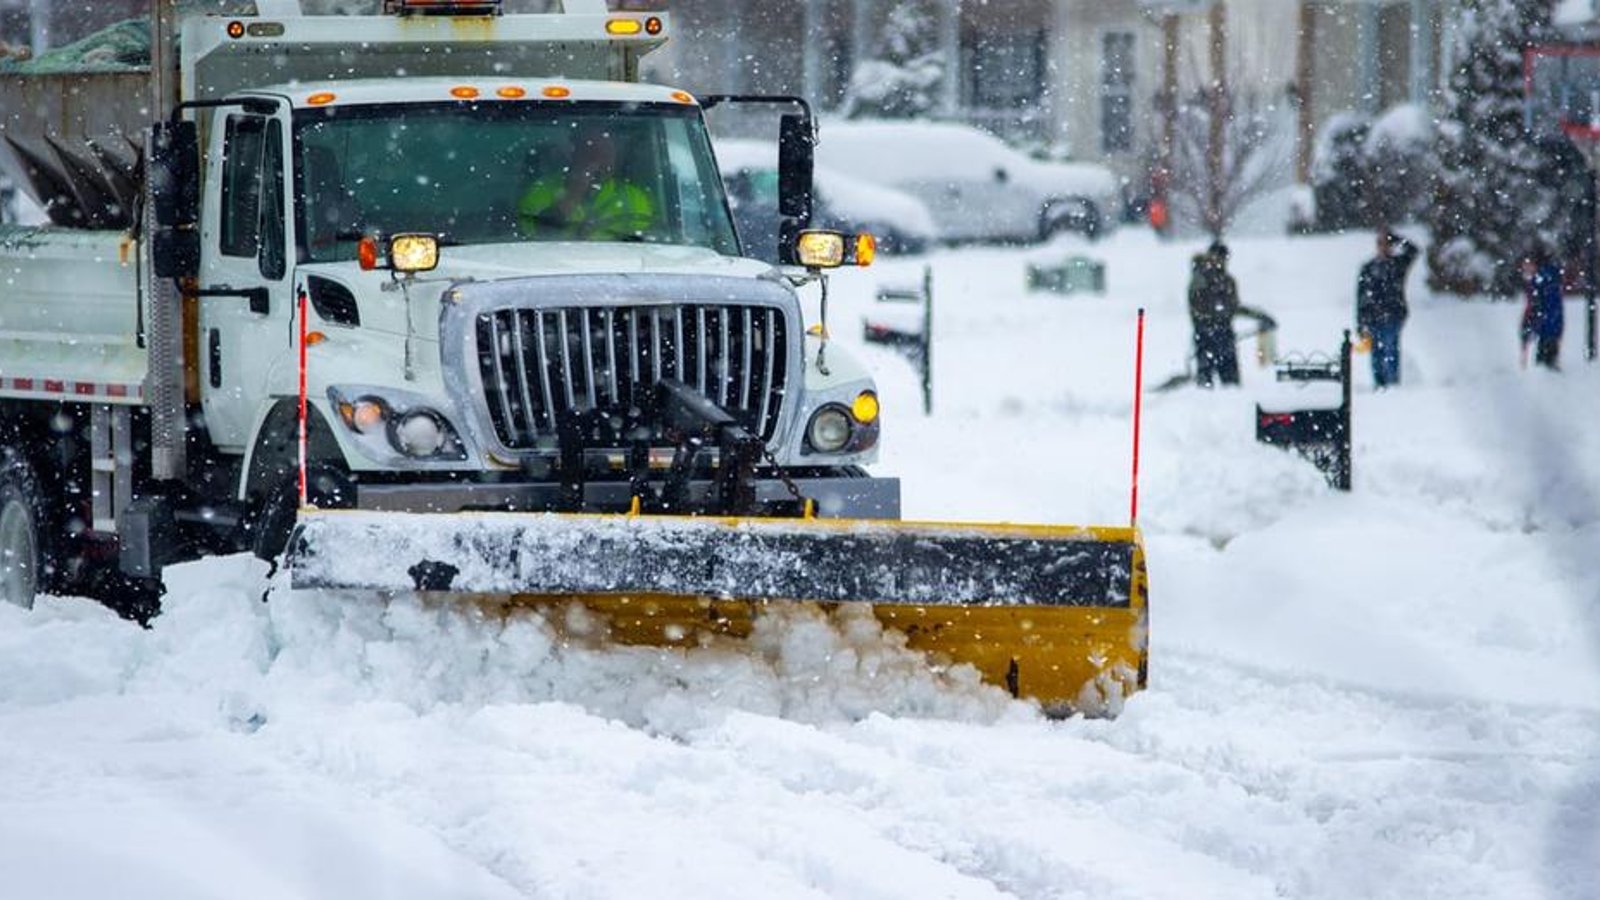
(1085,79)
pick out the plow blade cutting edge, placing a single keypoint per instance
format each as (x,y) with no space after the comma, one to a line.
(1055,613)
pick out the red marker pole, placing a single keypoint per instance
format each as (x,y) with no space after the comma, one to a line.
(1138,409)
(302,312)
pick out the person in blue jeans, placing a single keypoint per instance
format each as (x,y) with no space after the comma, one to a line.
(1542,318)
(1381,304)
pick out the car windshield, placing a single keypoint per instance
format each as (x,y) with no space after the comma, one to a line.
(490,173)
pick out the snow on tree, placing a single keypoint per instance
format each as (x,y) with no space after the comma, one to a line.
(902,80)
(1497,191)
(1230,146)
(1368,172)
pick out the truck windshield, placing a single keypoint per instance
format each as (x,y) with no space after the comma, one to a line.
(495,173)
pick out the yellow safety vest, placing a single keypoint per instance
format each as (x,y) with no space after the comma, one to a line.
(609,210)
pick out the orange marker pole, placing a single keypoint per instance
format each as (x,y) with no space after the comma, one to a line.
(1138,409)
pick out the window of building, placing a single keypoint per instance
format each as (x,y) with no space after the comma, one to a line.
(1116,92)
(1006,71)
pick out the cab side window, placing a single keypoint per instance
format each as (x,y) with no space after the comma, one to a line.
(242,147)
(273,250)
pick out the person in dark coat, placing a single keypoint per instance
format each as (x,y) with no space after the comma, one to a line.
(1213,302)
(1542,318)
(1381,304)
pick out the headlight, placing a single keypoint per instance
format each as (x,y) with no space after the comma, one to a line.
(396,427)
(413,253)
(419,433)
(820,249)
(829,430)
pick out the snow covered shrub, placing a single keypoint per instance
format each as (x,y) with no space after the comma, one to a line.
(1339,172)
(1400,165)
(1368,172)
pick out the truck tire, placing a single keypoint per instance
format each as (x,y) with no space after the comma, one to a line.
(328,486)
(26,550)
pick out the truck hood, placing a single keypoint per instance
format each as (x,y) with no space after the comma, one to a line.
(382,302)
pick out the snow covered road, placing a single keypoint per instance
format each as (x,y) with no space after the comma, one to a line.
(1392,693)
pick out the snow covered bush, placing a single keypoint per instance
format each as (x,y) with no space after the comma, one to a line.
(1339,172)
(1369,172)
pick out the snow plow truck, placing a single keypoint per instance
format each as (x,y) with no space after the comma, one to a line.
(328,289)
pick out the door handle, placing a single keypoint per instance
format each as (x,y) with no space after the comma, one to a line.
(257,296)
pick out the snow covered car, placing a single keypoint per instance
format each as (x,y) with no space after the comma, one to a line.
(900,222)
(977,187)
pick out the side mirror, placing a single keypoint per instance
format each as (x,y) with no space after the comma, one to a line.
(795,163)
(174,172)
(175,253)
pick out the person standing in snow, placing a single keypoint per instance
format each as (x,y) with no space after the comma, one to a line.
(1213,302)
(1381,304)
(1542,318)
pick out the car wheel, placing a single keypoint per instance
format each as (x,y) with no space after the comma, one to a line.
(25,556)
(1084,220)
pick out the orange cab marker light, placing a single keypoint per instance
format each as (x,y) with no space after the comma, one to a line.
(622,26)
(236,30)
(866,249)
(314,338)
(464,92)
(320,98)
(683,96)
(512,92)
(557,91)
(367,254)
(652,25)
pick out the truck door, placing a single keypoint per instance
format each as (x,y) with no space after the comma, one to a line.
(245,291)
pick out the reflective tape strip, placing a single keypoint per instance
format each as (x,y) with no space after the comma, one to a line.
(53,386)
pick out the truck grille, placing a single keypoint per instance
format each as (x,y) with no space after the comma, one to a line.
(538,363)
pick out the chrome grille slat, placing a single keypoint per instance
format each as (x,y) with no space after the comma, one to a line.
(532,369)
(633,352)
(588,358)
(520,356)
(679,352)
(766,379)
(611,354)
(566,358)
(700,341)
(744,370)
(726,375)
(503,393)
(544,368)
(655,348)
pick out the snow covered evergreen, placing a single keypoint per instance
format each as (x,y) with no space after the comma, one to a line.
(1495,191)
(902,81)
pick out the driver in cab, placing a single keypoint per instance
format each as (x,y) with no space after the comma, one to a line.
(589,200)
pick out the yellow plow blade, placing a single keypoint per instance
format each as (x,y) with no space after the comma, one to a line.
(1053,613)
